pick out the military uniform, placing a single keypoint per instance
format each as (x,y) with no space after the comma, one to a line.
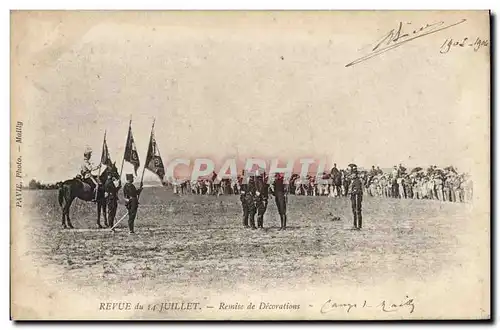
(131,194)
(248,202)
(261,199)
(111,189)
(279,190)
(356,192)
(87,169)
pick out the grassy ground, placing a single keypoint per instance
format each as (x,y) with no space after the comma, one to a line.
(199,241)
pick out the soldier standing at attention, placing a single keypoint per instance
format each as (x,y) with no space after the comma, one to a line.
(250,199)
(356,192)
(261,198)
(243,191)
(131,195)
(111,188)
(247,194)
(280,191)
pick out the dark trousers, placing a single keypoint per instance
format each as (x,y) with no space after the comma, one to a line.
(281,205)
(249,210)
(395,190)
(132,212)
(261,205)
(356,201)
(112,206)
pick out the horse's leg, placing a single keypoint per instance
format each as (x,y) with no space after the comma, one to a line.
(64,210)
(68,205)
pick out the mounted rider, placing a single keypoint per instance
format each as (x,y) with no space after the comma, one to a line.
(87,170)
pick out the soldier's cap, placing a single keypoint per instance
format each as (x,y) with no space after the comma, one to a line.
(129,176)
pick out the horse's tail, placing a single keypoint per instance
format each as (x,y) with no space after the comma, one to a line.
(61,195)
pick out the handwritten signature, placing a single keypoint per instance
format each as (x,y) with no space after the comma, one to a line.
(465,42)
(399,36)
(384,306)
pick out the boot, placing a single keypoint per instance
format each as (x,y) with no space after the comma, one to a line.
(355,221)
(260,221)
(245,217)
(284,221)
(252,223)
(360,220)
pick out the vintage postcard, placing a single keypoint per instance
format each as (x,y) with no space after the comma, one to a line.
(250,165)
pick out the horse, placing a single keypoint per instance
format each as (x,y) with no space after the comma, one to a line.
(336,177)
(84,190)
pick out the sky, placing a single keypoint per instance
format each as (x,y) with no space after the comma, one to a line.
(271,85)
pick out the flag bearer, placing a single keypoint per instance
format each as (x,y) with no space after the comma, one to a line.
(131,194)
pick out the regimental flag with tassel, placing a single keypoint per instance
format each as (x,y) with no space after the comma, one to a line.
(131,154)
(154,163)
(105,158)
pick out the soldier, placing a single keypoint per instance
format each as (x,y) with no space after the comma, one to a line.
(250,195)
(247,193)
(111,188)
(261,198)
(394,187)
(280,191)
(243,188)
(356,192)
(87,170)
(438,186)
(131,195)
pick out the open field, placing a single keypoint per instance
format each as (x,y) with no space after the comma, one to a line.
(197,245)
(200,240)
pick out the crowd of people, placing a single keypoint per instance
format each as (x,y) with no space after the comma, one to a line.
(432,183)
(443,184)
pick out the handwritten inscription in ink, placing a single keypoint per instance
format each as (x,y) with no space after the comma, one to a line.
(475,44)
(407,304)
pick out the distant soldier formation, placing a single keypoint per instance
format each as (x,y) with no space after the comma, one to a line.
(442,184)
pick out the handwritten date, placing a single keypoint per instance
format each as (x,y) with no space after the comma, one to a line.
(450,43)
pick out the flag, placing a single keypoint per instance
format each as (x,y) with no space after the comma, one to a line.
(131,154)
(105,158)
(154,162)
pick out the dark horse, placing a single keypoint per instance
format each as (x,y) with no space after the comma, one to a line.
(84,190)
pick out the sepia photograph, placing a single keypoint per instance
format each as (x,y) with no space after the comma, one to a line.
(250,165)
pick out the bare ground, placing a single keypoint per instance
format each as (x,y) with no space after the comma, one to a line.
(199,241)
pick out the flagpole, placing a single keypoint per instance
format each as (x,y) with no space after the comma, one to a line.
(146,162)
(128,134)
(103,142)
